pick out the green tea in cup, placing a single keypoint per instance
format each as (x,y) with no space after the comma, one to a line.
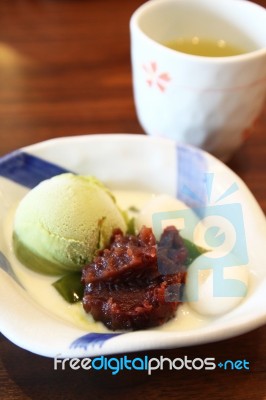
(208,99)
(205,47)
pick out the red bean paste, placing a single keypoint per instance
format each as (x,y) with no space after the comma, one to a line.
(127,285)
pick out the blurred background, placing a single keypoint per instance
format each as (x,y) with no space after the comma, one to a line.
(64,69)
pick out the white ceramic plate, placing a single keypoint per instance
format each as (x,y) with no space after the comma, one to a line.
(32,318)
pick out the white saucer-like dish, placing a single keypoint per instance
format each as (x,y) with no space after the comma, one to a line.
(134,163)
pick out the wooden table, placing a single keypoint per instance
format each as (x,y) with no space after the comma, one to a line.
(65,70)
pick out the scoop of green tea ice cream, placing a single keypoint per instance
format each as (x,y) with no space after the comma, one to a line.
(63,221)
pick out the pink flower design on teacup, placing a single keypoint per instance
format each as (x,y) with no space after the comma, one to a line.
(154,77)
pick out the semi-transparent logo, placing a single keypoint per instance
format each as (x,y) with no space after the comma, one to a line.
(219,228)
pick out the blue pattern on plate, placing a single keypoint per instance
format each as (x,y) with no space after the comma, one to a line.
(192,173)
(92,339)
(26,169)
(6,266)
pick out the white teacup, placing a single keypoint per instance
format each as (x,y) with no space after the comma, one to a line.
(209,102)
